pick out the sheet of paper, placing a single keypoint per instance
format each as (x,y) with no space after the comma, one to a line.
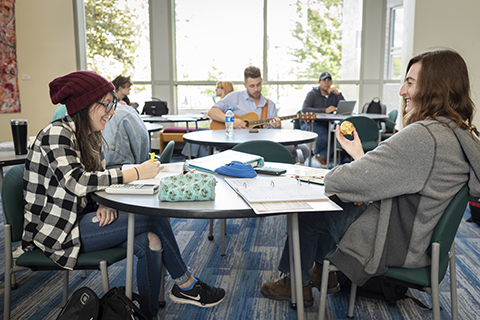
(276,189)
(294,206)
(173,168)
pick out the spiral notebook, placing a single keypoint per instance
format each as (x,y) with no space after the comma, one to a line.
(281,194)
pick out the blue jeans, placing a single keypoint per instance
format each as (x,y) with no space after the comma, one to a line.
(319,234)
(149,266)
(320,128)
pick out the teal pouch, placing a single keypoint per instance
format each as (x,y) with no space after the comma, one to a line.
(188,187)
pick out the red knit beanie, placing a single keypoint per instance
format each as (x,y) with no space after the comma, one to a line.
(79,90)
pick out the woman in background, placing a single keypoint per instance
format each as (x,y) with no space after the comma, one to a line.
(223,88)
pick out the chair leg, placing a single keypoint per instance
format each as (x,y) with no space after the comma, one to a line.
(105,281)
(84,274)
(351,303)
(434,281)
(14,281)
(453,282)
(223,228)
(65,287)
(323,289)
(210,235)
(8,271)
(162,288)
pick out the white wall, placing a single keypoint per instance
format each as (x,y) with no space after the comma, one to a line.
(447,24)
(45,50)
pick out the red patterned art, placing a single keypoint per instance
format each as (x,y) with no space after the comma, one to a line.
(9,94)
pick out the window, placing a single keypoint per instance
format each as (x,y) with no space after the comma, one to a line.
(395,43)
(118,42)
(393,54)
(216,40)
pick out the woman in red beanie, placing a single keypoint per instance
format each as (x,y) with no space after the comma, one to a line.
(64,165)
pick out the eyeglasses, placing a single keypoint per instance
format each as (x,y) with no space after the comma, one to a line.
(219,88)
(109,106)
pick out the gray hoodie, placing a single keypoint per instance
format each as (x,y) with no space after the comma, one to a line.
(411,178)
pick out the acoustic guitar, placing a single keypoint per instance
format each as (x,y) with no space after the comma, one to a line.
(251,120)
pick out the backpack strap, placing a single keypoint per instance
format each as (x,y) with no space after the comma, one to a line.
(265,111)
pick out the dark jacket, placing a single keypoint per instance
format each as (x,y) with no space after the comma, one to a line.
(317,103)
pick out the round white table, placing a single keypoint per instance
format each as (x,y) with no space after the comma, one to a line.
(227,204)
(218,138)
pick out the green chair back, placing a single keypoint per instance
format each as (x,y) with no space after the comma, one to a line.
(444,234)
(367,130)
(390,124)
(12,200)
(269,150)
(167,154)
(447,226)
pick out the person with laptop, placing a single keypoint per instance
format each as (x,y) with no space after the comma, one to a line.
(321,99)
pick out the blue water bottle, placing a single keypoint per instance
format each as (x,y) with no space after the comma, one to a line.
(229,116)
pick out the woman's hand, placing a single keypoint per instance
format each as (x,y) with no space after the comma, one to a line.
(149,169)
(354,147)
(146,170)
(106,215)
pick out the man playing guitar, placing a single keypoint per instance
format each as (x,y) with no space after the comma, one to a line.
(250,100)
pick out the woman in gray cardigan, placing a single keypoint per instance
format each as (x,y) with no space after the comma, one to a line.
(394,196)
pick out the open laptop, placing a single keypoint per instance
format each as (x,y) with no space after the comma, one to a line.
(345,107)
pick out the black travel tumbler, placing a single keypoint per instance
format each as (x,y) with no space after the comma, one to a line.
(19,133)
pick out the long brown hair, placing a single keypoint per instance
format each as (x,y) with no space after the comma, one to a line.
(443,90)
(90,141)
(227,88)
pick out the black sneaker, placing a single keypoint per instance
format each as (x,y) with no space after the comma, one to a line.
(201,295)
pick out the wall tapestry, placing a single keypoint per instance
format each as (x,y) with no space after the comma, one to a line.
(9,94)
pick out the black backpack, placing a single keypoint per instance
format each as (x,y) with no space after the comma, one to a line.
(374,106)
(84,304)
(155,108)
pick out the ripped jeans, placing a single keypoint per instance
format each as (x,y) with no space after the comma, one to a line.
(149,266)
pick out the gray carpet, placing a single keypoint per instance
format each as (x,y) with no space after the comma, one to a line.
(253,248)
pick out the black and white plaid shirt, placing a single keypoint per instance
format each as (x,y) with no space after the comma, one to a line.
(55,187)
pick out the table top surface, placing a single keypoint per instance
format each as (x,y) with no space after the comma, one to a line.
(153,127)
(227,203)
(172,118)
(335,117)
(219,138)
(9,158)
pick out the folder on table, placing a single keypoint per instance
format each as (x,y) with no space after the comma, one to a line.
(281,194)
(215,161)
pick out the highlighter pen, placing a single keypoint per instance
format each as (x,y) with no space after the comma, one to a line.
(152,157)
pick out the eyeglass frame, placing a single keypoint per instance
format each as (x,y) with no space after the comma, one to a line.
(109,106)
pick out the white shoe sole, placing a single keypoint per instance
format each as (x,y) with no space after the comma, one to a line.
(195,303)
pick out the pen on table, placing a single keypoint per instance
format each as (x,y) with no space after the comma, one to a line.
(315,177)
(152,157)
